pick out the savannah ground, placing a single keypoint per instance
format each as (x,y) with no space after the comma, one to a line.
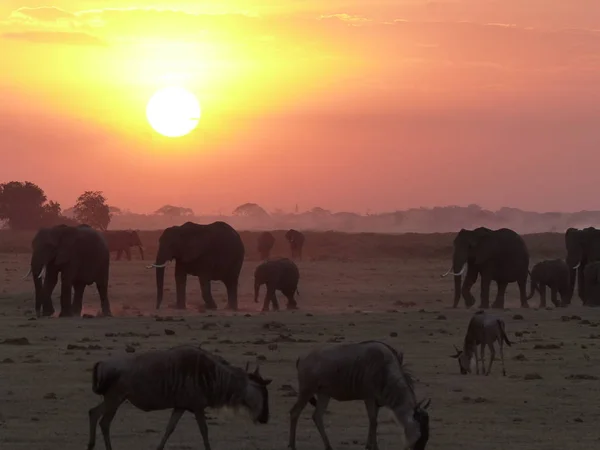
(352,288)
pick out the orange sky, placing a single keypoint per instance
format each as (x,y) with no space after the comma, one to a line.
(357,105)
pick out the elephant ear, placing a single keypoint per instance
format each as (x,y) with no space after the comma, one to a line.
(193,247)
(66,243)
(485,249)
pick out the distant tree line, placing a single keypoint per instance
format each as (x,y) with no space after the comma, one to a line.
(25,206)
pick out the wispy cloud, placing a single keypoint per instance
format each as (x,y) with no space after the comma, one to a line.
(55,37)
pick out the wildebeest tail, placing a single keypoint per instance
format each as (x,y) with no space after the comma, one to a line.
(504,336)
(103,378)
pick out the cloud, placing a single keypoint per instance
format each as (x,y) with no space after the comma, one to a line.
(55,37)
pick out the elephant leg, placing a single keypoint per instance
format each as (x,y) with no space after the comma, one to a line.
(103,293)
(542,289)
(470,279)
(522,283)
(232,295)
(50,282)
(180,285)
(209,302)
(554,296)
(66,288)
(499,302)
(119,253)
(128,253)
(78,290)
(291,301)
(485,291)
(581,283)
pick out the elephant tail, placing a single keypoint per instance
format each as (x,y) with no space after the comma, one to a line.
(533,286)
(503,332)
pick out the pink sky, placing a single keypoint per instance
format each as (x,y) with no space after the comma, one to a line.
(357,105)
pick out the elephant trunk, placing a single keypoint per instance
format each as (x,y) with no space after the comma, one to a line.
(256,290)
(459,265)
(161,259)
(533,287)
(457,282)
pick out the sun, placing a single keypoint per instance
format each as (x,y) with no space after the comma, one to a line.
(173,111)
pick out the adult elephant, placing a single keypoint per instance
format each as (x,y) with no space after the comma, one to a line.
(122,240)
(583,247)
(497,255)
(80,255)
(296,240)
(210,252)
(592,284)
(266,241)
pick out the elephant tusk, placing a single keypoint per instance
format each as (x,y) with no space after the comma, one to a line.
(157,266)
(577,266)
(455,274)
(28,273)
(42,272)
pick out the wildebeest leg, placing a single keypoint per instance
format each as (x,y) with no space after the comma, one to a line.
(492,356)
(482,351)
(372,411)
(502,356)
(322,402)
(110,409)
(94,415)
(78,290)
(102,287)
(499,302)
(295,415)
(542,289)
(201,421)
(554,296)
(119,253)
(209,302)
(128,253)
(175,416)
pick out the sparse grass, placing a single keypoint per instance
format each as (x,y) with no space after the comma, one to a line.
(347,294)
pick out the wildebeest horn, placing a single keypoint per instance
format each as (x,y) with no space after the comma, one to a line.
(28,273)
(423,405)
(157,266)
(456,348)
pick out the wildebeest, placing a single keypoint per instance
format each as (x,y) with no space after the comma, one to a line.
(278,274)
(483,330)
(371,371)
(182,378)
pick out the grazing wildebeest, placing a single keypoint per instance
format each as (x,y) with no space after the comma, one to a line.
(483,330)
(555,274)
(266,241)
(182,378)
(296,240)
(370,371)
(122,240)
(278,274)
(80,255)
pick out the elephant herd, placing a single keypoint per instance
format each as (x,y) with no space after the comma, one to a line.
(502,256)
(212,252)
(215,252)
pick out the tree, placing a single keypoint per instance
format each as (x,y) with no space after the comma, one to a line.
(91,209)
(24,206)
(250,210)
(174,211)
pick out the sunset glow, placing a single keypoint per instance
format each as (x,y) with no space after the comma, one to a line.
(347,105)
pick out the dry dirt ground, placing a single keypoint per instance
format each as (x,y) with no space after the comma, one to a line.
(549,400)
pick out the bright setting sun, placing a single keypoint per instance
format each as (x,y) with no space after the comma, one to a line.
(173,111)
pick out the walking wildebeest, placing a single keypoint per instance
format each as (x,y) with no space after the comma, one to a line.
(483,330)
(370,371)
(182,378)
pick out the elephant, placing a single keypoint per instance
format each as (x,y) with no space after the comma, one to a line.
(583,247)
(211,252)
(122,240)
(80,254)
(555,274)
(278,274)
(296,240)
(497,255)
(592,284)
(266,241)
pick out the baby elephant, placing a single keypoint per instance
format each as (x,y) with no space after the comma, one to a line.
(552,273)
(278,274)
